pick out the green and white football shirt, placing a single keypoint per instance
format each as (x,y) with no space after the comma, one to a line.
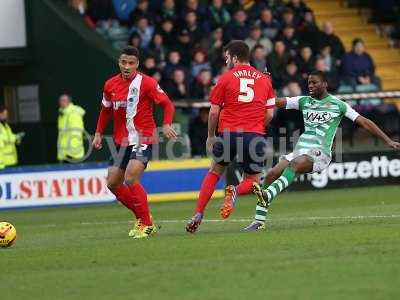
(321,120)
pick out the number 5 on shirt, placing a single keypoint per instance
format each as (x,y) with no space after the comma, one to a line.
(246,90)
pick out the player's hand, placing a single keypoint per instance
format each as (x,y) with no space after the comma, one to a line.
(97,141)
(394,145)
(210,143)
(169,132)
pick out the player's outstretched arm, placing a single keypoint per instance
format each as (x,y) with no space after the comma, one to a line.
(280,102)
(376,131)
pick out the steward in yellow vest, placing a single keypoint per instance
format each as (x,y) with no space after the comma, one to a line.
(8,141)
(70,130)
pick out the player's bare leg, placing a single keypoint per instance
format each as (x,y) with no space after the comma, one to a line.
(206,191)
(288,170)
(232,192)
(275,172)
(115,177)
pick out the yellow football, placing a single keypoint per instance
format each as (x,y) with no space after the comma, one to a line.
(8,234)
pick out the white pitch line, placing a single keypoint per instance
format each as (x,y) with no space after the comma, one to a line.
(241,220)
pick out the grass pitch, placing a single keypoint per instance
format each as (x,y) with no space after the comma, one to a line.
(340,244)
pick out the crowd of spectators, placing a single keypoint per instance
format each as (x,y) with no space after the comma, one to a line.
(181,43)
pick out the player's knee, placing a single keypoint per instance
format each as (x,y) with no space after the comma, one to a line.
(300,164)
(131,180)
(112,185)
(272,175)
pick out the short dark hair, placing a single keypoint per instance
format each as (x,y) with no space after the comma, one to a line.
(320,74)
(130,50)
(356,41)
(239,49)
(2,108)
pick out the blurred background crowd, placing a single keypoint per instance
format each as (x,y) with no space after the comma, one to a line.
(181,42)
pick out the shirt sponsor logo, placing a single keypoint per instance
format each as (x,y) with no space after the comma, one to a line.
(318,117)
(119,104)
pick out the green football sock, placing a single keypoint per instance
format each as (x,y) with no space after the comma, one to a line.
(281,183)
(273,190)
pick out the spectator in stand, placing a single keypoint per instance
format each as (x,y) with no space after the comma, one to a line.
(150,68)
(202,85)
(358,66)
(178,87)
(330,61)
(237,29)
(290,39)
(309,32)
(298,7)
(252,8)
(142,10)
(292,74)
(258,58)
(216,49)
(305,61)
(289,19)
(194,6)
(269,26)
(256,38)
(167,11)
(135,40)
(101,10)
(198,132)
(149,65)
(185,45)
(167,30)
(145,30)
(158,50)
(173,63)
(78,5)
(218,15)
(277,61)
(123,9)
(192,26)
(329,38)
(199,63)
(231,6)
(331,78)
(292,89)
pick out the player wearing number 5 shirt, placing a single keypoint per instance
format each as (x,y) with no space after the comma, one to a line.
(242,105)
(129,97)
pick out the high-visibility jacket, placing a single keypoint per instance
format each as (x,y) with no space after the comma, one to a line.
(2,166)
(8,151)
(70,133)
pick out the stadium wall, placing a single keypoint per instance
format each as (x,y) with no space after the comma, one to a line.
(174,180)
(64,56)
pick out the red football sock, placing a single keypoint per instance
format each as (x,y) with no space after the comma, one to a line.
(124,196)
(206,191)
(246,186)
(141,203)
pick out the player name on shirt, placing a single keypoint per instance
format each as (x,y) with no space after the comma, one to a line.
(248,73)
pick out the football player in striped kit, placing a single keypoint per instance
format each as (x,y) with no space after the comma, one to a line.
(128,97)
(322,114)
